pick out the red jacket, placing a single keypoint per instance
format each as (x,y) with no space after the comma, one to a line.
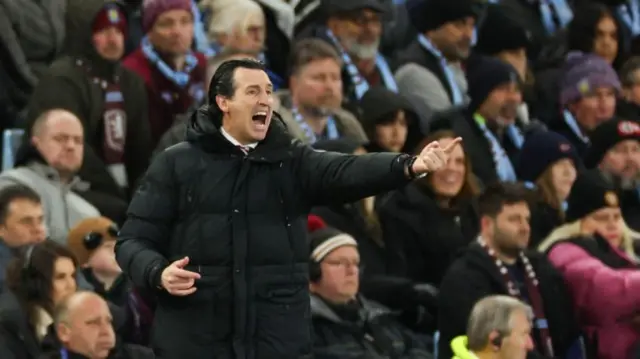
(166,99)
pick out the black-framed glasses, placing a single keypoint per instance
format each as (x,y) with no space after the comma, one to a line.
(93,239)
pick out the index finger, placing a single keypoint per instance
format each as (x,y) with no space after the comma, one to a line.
(453,144)
(185,274)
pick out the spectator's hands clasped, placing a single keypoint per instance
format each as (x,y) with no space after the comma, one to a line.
(178,281)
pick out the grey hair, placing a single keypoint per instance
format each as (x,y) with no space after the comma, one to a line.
(493,313)
(233,16)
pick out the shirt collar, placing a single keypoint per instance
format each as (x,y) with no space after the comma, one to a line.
(234,141)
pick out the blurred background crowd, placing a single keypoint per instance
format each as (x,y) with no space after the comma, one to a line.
(540,202)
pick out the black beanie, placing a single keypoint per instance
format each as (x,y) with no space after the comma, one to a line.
(607,135)
(485,74)
(427,15)
(378,104)
(325,240)
(590,192)
(500,32)
(541,150)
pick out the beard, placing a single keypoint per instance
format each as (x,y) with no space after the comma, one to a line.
(508,243)
(362,51)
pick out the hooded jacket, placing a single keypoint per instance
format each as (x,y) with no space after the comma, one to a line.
(241,220)
(68,86)
(459,347)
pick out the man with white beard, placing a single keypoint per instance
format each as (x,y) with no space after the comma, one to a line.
(354,28)
(615,152)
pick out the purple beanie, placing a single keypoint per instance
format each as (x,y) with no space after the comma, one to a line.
(151,9)
(583,74)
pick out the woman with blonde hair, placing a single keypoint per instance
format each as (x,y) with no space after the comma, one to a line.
(548,164)
(594,253)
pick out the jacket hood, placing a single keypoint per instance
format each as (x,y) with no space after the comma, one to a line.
(26,153)
(459,348)
(79,21)
(203,130)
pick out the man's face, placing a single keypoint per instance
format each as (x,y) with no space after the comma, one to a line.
(89,330)
(249,36)
(502,98)
(512,100)
(109,43)
(318,85)
(60,141)
(172,33)
(592,110)
(453,39)
(510,229)
(359,33)
(248,113)
(24,224)
(519,342)
(340,275)
(623,160)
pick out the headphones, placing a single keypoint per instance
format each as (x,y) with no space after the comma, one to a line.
(315,272)
(93,239)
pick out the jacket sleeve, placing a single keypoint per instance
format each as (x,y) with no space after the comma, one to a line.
(143,241)
(594,286)
(10,40)
(329,177)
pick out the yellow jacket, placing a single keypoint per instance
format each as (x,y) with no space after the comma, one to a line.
(459,347)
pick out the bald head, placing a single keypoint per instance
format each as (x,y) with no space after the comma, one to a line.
(83,324)
(42,122)
(59,138)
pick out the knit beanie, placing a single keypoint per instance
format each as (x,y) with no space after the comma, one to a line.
(94,229)
(500,32)
(590,192)
(583,74)
(110,15)
(541,150)
(151,9)
(324,239)
(427,15)
(607,135)
(485,74)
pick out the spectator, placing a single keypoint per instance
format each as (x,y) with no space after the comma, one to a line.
(427,223)
(21,223)
(37,281)
(344,322)
(239,159)
(83,326)
(32,35)
(109,101)
(498,265)
(174,80)
(491,142)
(615,152)
(548,163)
(389,121)
(430,73)
(499,328)
(92,242)
(630,78)
(594,252)
(589,88)
(354,28)
(312,109)
(49,166)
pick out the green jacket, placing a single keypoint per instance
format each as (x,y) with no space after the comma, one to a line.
(459,348)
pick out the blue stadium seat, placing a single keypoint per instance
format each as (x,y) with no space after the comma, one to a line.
(11,139)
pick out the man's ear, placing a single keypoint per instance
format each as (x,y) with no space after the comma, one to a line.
(223,103)
(495,340)
(64,332)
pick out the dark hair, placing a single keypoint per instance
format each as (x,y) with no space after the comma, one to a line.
(497,195)
(581,31)
(13,193)
(307,51)
(223,83)
(628,71)
(30,275)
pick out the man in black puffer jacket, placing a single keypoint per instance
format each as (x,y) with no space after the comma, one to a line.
(218,225)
